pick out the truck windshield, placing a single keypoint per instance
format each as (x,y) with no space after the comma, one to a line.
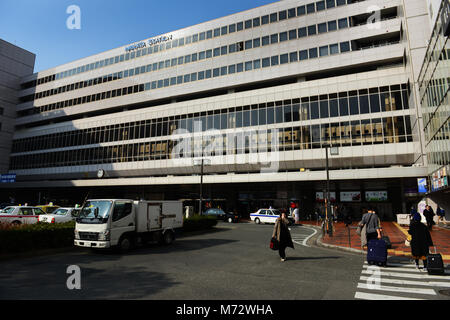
(95,212)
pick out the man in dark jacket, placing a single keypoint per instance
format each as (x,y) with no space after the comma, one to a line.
(420,240)
(429,214)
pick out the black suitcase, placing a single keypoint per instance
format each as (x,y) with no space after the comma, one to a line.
(435,264)
(377,252)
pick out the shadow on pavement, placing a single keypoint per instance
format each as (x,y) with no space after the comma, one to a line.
(311,258)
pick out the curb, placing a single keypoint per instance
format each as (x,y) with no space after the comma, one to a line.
(318,242)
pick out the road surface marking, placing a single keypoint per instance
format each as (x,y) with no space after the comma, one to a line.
(374,296)
(408,282)
(396,289)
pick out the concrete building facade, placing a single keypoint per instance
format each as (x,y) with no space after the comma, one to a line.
(260,94)
(15,63)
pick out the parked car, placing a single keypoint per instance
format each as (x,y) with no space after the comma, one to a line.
(267,216)
(20,214)
(48,208)
(60,215)
(216,212)
(232,217)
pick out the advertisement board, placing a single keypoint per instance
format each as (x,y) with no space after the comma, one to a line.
(320,196)
(422,185)
(350,196)
(376,196)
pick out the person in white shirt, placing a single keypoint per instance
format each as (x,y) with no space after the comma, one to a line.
(296,215)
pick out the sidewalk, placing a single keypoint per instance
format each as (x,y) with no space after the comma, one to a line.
(396,233)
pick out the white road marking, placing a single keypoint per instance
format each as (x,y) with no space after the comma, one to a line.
(409,275)
(398,278)
(302,239)
(374,296)
(409,282)
(396,289)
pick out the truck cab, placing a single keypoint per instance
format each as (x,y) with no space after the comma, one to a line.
(105,223)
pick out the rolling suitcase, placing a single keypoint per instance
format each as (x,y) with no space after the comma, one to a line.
(377,252)
(435,264)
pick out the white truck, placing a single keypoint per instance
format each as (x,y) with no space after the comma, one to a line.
(119,223)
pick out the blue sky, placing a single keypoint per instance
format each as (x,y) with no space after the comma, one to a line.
(39,26)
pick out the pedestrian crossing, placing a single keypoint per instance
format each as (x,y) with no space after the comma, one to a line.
(399,281)
(301,235)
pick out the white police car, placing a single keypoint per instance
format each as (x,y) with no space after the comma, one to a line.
(265,216)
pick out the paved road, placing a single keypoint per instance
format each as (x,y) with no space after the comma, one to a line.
(231,263)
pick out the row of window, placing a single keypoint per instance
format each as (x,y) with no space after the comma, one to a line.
(341,104)
(257,64)
(220,31)
(354,133)
(199,56)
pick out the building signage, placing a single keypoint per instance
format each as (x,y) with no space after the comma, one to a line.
(149,43)
(8,178)
(374,196)
(439,179)
(422,185)
(320,196)
(351,196)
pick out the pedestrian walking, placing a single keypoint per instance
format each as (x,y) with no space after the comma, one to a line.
(282,235)
(296,214)
(441,213)
(420,240)
(429,214)
(372,225)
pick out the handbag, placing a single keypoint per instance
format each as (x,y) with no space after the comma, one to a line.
(359,230)
(274,244)
(408,241)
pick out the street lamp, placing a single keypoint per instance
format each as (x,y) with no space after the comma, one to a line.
(334,151)
(201,163)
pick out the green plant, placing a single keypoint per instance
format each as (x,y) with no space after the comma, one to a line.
(30,237)
(197,222)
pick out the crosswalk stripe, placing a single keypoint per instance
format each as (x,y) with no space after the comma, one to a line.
(390,264)
(396,289)
(409,275)
(374,296)
(408,282)
(397,269)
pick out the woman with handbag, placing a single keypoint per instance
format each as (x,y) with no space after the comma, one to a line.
(282,235)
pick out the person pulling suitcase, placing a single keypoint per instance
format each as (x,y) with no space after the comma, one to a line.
(420,240)
(376,247)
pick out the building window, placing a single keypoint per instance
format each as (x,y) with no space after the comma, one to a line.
(320,5)
(310,8)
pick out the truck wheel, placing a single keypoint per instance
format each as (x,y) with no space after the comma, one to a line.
(169,238)
(257,221)
(124,244)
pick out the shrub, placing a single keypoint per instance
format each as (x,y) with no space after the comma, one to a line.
(29,237)
(197,222)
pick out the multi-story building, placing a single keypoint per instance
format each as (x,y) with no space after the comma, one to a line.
(434,83)
(260,95)
(15,63)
